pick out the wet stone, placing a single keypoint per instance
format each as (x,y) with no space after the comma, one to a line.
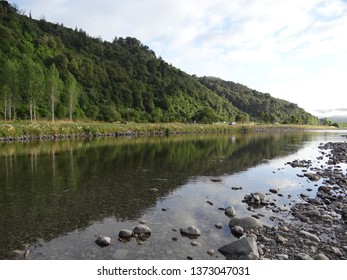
(230,211)
(125,233)
(241,249)
(237,231)
(192,230)
(247,223)
(219,225)
(320,257)
(103,241)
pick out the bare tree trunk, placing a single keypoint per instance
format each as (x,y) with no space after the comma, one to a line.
(34,107)
(71,105)
(9,110)
(31,110)
(52,107)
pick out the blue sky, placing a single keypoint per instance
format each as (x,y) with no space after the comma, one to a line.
(294,50)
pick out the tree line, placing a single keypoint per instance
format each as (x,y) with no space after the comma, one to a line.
(52,72)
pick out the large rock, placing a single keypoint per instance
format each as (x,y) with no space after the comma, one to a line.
(245,248)
(247,223)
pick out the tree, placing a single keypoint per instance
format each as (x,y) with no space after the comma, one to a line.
(73,92)
(32,84)
(53,88)
(205,115)
(9,89)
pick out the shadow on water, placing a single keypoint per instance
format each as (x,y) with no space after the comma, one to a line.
(48,189)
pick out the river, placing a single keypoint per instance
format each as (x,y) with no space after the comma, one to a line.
(57,197)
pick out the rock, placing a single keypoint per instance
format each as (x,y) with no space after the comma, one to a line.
(240,248)
(142,229)
(247,223)
(211,252)
(192,230)
(194,243)
(255,199)
(280,239)
(320,257)
(251,256)
(120,254)
(230,212)
(302,256)
(310,236)
(336,251)
(237,231)
(273,191)
(281,257)
(125,233)
(312,176)
(103,241)
(219,225)
(305,194)
(216,180)
(312,213)
(209,202)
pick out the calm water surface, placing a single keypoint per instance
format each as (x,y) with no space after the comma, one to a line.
(57,197)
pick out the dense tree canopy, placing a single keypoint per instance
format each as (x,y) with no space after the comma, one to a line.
(52,72)
(261,107)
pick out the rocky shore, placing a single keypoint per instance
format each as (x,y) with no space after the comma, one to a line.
(318,226)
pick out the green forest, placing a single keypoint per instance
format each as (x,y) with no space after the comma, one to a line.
(51,72)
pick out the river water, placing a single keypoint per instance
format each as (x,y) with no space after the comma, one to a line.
(57,197)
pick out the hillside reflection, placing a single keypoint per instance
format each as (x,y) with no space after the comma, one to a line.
(51,188)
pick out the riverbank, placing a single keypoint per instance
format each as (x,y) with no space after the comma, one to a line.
(318,227)
(19,131)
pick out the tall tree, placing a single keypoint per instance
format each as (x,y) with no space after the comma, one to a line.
(32,82)
(53,88)
(9,89)
(73,91)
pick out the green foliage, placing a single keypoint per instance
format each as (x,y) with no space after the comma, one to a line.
(261,107)
(111,81)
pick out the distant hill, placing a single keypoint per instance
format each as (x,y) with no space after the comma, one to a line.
(259,106)
(49,71)
(338,115)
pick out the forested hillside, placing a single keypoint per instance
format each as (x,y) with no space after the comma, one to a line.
(52,72)
(259,106)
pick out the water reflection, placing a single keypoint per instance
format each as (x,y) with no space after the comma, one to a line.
(48,189)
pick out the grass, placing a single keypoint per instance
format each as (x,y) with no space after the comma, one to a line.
(61,129)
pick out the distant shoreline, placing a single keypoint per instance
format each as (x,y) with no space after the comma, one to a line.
(25,131)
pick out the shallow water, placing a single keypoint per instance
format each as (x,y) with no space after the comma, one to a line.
(57,197)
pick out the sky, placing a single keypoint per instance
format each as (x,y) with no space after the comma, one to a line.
(295,50)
